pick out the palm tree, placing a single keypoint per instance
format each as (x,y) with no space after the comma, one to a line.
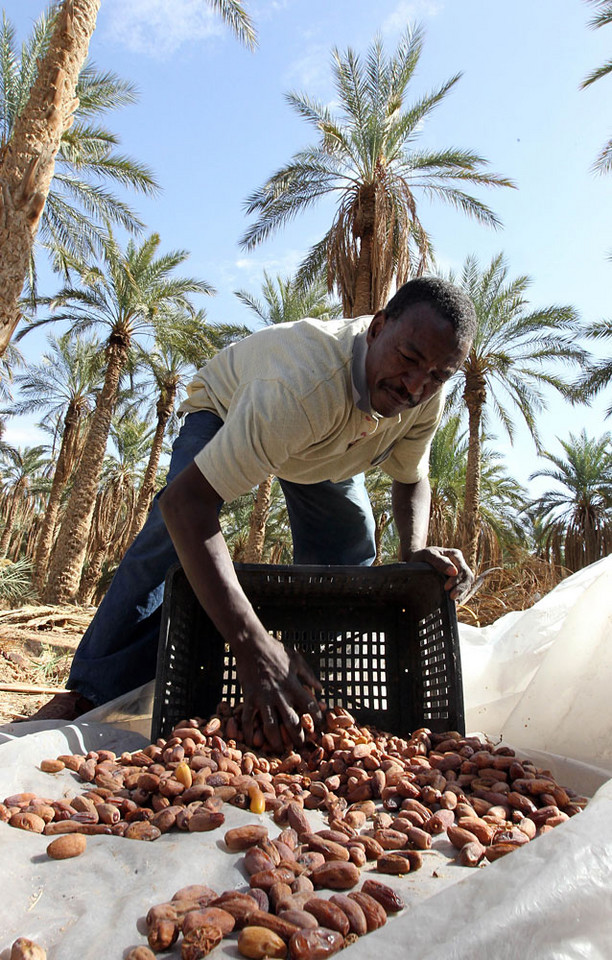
(116,499)
(447,460)
(599,373)
(180,348)
(236,518)
(129,293)
(10,361)
(503,534)
(15,583)
(28,159)
(63,385)
(284,300)
(21,480)
(78,203)
(233,13)
(379,492)
(502,499)
(603,163)
(510,361)
(27,162)
(576,518)
(367,158)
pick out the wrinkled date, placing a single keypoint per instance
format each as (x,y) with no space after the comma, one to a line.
(198,943)
(315,944)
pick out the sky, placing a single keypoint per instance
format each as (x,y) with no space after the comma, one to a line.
(213,123)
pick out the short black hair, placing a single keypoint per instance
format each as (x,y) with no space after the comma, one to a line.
(450,301)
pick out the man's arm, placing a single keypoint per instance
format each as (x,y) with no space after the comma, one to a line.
(272,679)
(411,507)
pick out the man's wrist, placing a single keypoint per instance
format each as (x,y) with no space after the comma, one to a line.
(410,552)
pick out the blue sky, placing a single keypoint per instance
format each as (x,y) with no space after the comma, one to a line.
(212,122)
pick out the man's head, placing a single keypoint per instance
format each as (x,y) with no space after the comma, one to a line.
(416,343)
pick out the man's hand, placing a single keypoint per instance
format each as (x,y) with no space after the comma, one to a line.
(274,683)
(451,563)
(272,678)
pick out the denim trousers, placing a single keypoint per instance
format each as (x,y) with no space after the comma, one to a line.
(331,523)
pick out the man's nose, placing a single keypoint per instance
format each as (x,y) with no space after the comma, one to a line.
(415,381)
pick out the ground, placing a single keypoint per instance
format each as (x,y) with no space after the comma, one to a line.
(36,647)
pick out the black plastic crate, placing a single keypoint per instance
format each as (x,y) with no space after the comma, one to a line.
(383,641)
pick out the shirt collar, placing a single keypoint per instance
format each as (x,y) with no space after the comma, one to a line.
(361,394)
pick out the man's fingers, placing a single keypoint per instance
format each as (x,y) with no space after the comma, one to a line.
(248,721)
(291,722)
(313,708)
(461,590)
(304,673)
(439,560)
(271,728)
(445,564)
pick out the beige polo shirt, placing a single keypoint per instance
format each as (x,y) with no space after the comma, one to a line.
(294,402)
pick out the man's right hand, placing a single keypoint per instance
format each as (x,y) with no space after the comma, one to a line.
(273,679)
(278,686)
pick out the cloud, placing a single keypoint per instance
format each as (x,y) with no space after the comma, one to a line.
(22,432)
(157,28)
(267,9)
(250,269)
(312,71)
(409,12)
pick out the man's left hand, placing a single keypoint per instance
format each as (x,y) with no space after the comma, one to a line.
(452,564)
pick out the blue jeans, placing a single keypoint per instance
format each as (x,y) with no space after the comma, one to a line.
(331,523)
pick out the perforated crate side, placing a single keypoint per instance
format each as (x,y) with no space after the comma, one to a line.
(383,641)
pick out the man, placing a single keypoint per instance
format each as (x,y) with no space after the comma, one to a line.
(316,403)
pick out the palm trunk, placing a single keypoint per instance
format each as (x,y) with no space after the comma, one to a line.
(96,545)
(143,504)
(89,580)
(106,529)
(364,229)
(65,464)
(28,164)
(253,551)
(30,543)
(474,396)
(69,553)
(18,548)
(592,540)
(11,514)
(381,524)
(121,539)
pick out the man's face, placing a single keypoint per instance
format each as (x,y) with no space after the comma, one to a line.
(409,358)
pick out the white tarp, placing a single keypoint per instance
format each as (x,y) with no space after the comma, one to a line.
(540,677)
(543,678)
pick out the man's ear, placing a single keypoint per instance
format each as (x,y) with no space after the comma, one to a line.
(376,324)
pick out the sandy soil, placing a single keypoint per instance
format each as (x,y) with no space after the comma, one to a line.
(36,647)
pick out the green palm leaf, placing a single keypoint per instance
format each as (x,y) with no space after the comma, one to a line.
(80,202)
(366,158)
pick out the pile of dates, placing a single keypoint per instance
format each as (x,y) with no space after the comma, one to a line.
(384,798)
(275,919)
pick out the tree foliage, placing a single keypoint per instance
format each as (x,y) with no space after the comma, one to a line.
(88,166)
(602,17)
(514,357)
(367,158)
(575,517)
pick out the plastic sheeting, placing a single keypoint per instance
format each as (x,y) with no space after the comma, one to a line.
(551,899)
(540,677)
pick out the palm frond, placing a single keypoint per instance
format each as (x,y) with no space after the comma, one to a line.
(238,20)
(365,158)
